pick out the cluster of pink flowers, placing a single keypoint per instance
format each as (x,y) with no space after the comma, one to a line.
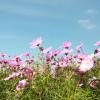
(64,57)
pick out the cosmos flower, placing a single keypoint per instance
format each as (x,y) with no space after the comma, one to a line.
(26,54)
(28,72)
(4,61)
(49,55)
(13,75)
(21,85)
(80,56)
(3,54)
(79,47)
(17,58)
(36,43)
(47,49)
(86,65)
(30,61)
(56,52)
(15,64)
(97,43)
(62,64)
(94,82)
(66,51)
(66,44)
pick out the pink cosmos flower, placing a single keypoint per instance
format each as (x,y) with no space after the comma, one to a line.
(47,49)
(97,43)
(36,43)
(66,51)
(15,64)
(80,56)
(26,54)
(30,61)
(66,44)
(4,61)
(21,85)
(13,75)
(56,52)
(41,49)
(28,73)
(79,47)
(62,64)
(52,53)
(3,54)
(70,58)
(94,82)
(49,55)
(17,58)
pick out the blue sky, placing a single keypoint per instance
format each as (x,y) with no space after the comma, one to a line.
(54,20)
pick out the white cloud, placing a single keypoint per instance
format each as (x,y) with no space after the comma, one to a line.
(91,11)
(87,24)
(30,11)
(21,10)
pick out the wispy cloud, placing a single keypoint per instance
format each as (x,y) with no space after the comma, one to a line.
(87,24)
(32,11)
(92,11)
(20,10)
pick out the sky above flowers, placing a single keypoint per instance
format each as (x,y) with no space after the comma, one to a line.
(55,21)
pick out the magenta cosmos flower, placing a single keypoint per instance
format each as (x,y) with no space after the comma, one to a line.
(97,43)
(66,44)
(36,43)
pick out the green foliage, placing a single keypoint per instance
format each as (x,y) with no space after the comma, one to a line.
(44,87)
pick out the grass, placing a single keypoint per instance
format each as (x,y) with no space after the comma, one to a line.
(43,87)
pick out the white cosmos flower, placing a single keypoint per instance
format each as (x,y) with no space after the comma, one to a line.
(87,64)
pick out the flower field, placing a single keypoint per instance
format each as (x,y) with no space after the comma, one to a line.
(61,74)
